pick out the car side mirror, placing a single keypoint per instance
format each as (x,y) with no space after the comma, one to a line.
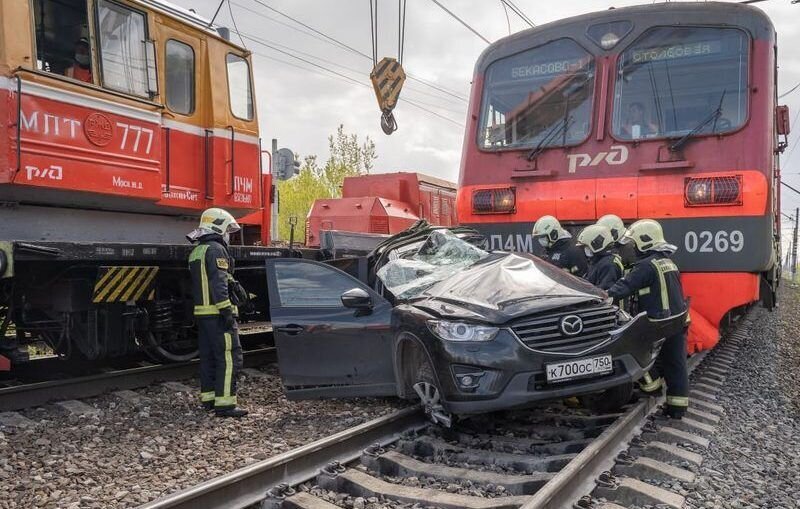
(356,298)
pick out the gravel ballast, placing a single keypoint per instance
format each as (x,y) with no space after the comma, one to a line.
(754,457)
(130,452)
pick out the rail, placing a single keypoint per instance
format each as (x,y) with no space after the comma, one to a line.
(248,485)
(39,393)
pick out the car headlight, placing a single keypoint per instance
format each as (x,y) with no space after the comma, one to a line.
(459,331)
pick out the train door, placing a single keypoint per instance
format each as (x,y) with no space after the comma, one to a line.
(184,119)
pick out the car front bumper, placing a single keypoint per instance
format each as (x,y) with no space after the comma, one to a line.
(506,374)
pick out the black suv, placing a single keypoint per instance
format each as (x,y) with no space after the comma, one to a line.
(428,314)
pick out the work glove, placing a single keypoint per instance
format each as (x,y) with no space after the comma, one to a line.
(227,315)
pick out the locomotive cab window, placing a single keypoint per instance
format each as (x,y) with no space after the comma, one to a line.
(679,80)
(241,96)
(62,38)
(126,62)
(179,68)
(541,97)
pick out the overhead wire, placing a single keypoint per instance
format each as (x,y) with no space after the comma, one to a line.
(454,16)
(233,20)
(789,91)
(416,90)
(347,78)
(519,12)
(347,47)
(508,20)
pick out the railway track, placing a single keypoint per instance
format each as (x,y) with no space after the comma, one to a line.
(548,457)
(26,395)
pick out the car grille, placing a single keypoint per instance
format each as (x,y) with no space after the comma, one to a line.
(543,333)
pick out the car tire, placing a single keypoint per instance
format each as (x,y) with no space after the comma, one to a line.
(425,387)
(608,401)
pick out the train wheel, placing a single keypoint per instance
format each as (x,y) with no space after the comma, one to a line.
(170,347)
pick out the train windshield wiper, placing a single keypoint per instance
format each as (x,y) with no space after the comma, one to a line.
(551,134)
(713,116)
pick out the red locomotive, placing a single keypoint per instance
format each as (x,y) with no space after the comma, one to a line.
(385,203)
(124,120)
(665,111)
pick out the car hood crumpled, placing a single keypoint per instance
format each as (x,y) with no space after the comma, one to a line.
(448,276)
(505,286)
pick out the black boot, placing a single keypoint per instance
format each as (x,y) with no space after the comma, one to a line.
(674,412)
(231,412)
(208,405)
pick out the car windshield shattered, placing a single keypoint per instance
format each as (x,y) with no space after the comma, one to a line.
(413,269)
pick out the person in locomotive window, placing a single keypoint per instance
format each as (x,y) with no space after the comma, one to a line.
(617,228)
(637,124)
(81,68)
(605,266)
(656,280)
(216,295)
(558,246)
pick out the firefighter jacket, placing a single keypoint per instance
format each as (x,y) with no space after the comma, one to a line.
(657,283)
(211,268)
(605,269)
(568,256)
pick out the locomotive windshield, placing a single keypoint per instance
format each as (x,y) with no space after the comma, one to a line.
(538,98)
(674,81)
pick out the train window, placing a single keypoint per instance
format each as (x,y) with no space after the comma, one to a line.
(678,80)
(62,42)
(123,54)
(239,87)
(179,68)
(541,97)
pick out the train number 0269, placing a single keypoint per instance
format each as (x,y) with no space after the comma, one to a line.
(713,242)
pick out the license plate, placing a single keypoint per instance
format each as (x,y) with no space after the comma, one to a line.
(578,368)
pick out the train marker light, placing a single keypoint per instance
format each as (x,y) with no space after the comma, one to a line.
(706,191)
(607,35)
(494,201)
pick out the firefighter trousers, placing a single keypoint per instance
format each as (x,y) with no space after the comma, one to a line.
(220,361)
(671,365)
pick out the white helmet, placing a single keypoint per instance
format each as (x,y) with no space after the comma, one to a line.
(548,230)
(215,220)
(614,224)
(595,238)
(647,235)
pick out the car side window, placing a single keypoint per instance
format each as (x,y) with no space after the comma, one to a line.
(310,285)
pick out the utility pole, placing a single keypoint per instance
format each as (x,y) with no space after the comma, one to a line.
(794,242)
(273,217)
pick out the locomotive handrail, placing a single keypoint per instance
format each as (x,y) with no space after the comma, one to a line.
(233,159)
(168,131)
(206,164)
(19,126)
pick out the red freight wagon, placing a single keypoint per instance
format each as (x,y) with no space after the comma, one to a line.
(665,111)
(385,203)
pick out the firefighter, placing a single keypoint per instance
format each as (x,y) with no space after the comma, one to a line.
(617,227)
(211,269)
(605,266)
(558,246)
(656,280)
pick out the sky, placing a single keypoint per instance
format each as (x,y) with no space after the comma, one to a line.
(301,104)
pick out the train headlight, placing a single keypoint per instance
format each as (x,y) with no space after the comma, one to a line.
(494,201)
(705,191)
(607,35)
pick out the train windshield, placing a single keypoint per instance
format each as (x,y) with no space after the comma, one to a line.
(538,98)
(675,81)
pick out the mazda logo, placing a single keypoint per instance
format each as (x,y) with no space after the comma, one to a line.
(571,325)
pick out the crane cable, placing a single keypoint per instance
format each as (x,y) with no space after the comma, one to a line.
(387,76)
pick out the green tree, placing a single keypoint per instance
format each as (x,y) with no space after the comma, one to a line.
(347,158)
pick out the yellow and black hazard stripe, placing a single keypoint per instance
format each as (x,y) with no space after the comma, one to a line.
(124,283)
(387,80)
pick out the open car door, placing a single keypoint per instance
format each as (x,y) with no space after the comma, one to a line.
(333,333)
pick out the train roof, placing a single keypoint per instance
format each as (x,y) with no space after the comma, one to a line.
(750,18)
(189,17)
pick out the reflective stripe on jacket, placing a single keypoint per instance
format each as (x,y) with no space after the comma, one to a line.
(211,268)
(657,281)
